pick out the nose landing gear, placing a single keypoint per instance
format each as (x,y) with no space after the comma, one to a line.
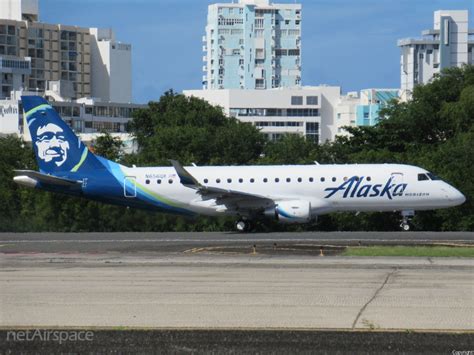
(406,216)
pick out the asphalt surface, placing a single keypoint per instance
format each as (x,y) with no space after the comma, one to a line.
(172,341)
(180,242)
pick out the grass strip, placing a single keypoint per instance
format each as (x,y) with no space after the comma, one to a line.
(426,251)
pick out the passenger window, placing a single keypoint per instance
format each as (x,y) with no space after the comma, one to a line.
(229,180)
(265,180)
(252,180)
(218,181)
(241,180)
(369,178)
(311,179)
(423,177)
(158,181)
(170,181)
(277,180)
(206,181)
(288,180)
(334,179)
(322,179)
(345,178)
(147,182)
(300,179)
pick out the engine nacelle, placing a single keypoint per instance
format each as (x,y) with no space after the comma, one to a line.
(297,211)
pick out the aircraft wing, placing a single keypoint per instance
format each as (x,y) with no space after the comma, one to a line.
(222,196)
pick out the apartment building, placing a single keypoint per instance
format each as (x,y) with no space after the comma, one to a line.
(252,44)
(449,44)
(33,53)
(306,111)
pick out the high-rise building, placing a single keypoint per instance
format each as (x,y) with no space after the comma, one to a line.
(449,44)
(252,44)
(35,54)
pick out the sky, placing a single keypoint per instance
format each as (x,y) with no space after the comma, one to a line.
(349,43)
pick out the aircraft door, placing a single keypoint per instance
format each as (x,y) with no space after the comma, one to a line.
(130,186)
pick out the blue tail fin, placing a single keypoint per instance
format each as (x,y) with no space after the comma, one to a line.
(57,148)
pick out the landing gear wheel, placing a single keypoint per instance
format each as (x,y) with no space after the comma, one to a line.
(242,226)
(405,226)
(406,216)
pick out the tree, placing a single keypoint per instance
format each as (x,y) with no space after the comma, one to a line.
(108,147)
(192,131)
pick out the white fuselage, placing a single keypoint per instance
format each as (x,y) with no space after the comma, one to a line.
(327,188)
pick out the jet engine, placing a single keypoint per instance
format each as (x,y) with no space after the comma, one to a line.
(297,211)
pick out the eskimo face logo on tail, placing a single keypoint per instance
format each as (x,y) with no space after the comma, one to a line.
(52,144)
(356,188)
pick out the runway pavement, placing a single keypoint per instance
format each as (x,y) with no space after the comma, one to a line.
(179,242)
(157,280)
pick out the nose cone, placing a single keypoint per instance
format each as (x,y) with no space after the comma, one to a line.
(456,197)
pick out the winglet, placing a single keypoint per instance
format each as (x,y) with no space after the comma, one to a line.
(184,176)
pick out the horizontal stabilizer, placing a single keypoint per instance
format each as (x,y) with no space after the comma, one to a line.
(31,178)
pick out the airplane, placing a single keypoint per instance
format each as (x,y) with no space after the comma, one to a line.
(284,193)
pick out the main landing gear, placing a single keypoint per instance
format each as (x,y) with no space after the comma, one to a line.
(243,225)
(406,216)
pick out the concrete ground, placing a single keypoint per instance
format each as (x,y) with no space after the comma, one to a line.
(185,290)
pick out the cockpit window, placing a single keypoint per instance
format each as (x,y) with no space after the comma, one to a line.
(423,177)
(433,176)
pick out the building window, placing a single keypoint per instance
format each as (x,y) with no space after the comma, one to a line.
(311,100)
(297,100)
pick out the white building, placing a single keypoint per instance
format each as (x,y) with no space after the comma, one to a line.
(449,44)
(252,44)
(363,109)
(307,111)
(111,64)
(34,53)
